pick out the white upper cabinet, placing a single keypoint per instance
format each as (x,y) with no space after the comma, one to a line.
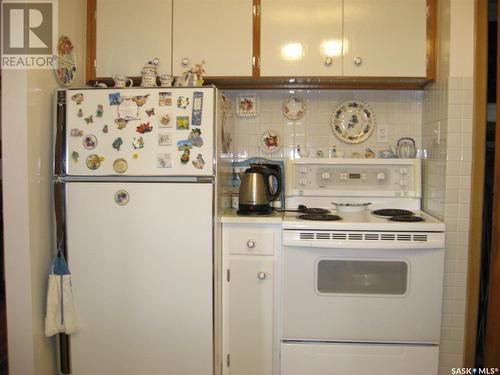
(131,32)
(220,32)
(385,38)
(301,38)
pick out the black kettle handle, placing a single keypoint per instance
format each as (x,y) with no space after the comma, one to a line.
(268,187)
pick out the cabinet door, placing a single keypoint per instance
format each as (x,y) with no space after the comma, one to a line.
(217,31)
(250,321)
(129,33)
(301,38)
(385,38)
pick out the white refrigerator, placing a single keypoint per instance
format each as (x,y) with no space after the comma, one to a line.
(134,196)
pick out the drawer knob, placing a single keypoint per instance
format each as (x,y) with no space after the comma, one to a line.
(185,62)
(328,61)
(250,244)
(358,61)
(261,275)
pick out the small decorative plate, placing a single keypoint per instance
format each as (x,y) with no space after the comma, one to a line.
(66,61)
(246,106)
(352,121)
(293,108)
(270,141)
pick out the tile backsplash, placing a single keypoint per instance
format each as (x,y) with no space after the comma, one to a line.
(399,111)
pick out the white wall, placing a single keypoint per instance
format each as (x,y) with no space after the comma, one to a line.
(27,101)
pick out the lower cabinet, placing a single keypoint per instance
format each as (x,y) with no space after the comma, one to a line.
(249,300)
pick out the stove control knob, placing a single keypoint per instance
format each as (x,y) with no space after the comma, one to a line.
(302,170)
(403,171)
(403,182)
(325,176)
(381,176)
(343,176)
(303,181)
(363,176)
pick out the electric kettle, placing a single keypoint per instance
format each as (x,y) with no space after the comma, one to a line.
(260,184)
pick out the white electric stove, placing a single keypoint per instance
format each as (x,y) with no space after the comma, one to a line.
(362,292)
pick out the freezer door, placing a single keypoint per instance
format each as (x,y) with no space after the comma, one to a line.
(141,261)
(140,132)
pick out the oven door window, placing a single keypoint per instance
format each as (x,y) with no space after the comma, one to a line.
(336,276)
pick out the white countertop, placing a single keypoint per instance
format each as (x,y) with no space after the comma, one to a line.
(230,216)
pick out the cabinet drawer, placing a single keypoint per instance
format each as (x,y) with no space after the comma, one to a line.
(251,240)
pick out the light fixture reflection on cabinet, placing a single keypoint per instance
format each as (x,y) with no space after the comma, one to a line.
(292,51)
(331,48)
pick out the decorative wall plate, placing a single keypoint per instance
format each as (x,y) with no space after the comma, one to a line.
(270,141)
(352,121)
(293,108)
(246,106)
(66,61)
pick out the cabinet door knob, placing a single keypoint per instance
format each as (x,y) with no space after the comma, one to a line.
(328,61)
(261,275)
(185,62)
(250,244)
(358,61)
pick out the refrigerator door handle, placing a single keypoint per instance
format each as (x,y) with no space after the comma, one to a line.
(60,136)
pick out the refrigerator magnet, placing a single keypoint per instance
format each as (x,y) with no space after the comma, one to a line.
(144,128)
(184,145)
(122,197)
(185,157)
(197,108)
(199,163)
(93,162)
(140,100)
(164,139)
(89,142)
(117,143)
(115,98)
(165,99)
(195,137)
(128,108)
(137,143)
(182,122)
(78,98)
(163,161)
(182,102)
(75,156)
(121,123)
(105,129)
(79,113)
(99,111)
(150,112)
(120,165)
(89,120)
(76,133)
(135,156)
(164,120)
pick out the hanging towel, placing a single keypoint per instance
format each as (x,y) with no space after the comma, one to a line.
(61,314)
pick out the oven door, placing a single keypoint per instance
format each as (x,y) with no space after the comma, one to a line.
(362,295)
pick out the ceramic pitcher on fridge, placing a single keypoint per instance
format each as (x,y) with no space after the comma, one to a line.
(406,148)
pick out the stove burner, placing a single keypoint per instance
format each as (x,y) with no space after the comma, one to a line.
(311,210)
(407,218)
(392,212)
(319,217)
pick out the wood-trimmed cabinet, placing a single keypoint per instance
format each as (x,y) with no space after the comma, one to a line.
(250,264)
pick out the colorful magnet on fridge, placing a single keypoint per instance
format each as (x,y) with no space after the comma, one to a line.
(184,145)
(182,122)
(93,162)
(199,163)
(78,98)
(122,197)
(75,156)
(197,108)
(115,98)
(164,120)
(182,102)
(137,143)
(150,112)
(163,161)
(165,99)
(99,111)
(144,128)
(89,141)
(120,165)
(135,156)
(185,157)
(76,133)
(105,129)
(121,123)
(195,137)
(117,143)
(140,100)
(164,139)
(79,113)
(89,120)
